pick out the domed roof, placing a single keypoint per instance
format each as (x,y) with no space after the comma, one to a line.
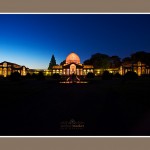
(72,58)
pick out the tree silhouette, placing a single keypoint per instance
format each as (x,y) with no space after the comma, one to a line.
(52,62)
(99,60)
(87,62)
(115,61)
(126,60)
(63,62)
(141,56)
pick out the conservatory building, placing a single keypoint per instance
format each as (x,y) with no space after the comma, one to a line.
(72,66)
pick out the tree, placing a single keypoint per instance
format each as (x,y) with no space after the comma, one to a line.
(115,61)
(52,62)
(99,60)
(63,62)
(126,60)
(141,56)
(87,62)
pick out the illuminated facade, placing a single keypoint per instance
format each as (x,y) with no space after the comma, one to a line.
(6,68)
(139,68)
(72,66)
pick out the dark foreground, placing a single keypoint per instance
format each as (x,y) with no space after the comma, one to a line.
(103,108)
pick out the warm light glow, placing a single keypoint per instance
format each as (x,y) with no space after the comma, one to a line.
(72,58)
(70,82)
(88,66)
(72,69)
(139,71)
(5,72)
(57,67)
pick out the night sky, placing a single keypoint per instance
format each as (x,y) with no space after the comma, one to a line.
(31,39)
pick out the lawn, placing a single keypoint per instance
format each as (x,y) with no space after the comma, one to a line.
(104,107)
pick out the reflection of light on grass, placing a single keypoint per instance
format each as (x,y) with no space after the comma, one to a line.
(70,82)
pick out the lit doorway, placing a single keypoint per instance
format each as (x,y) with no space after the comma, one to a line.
(72,69)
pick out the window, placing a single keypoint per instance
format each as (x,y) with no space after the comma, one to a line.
(4,64)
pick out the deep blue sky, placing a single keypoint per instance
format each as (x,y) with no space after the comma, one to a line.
(31,39)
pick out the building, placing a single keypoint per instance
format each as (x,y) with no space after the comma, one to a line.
(6,68)
(72,66)
(139,68)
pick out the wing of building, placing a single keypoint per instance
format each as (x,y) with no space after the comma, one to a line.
(139,67)
(6,68)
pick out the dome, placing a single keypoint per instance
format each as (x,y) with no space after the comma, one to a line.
(72,58)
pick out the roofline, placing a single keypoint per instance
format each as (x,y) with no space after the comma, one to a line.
(12,63)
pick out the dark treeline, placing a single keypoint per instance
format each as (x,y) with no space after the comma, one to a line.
(104,61)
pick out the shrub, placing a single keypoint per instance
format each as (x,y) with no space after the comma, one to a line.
(117,75)
(145,75)
(106,75)
(15,76)
(28,75)
(40,75)
(130,75)
(90,75)
(1,76)
(56,76)
(34,76)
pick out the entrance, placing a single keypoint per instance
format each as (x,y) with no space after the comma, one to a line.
(72,69)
